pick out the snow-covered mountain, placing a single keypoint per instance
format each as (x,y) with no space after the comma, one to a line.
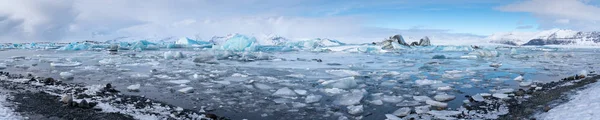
(547,37)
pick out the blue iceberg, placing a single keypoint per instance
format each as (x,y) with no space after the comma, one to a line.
(187,42)
(76,46)
(144,45)
(240,43)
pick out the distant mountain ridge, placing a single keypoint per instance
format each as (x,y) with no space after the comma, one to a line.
(547,37)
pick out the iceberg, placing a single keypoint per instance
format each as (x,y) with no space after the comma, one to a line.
(144,45)
(187,42)
(76,46)
(313,44)
(240,43)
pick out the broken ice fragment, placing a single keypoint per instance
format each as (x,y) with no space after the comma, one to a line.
(500,95)
(135,87)
(66,75)
(312,98)
(344,83)
(436,103)
(421,98)
(478,98)
(443,97)
(525,84)
(186,90)
(284,92)
(179,81)
(402,112)
(355,109)
(391,99)
(444,88)
(300,92)
(376,102)
(352,98)
(173,55)
(519,78)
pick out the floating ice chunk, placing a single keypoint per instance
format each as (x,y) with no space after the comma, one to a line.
(426,82)
(525,84)
(443,97)
(392,117)
(343,73)
(238,75)
(436,103)
(186,90)
(344,83)
(140,75)
(519,78)
(402,112)
(300,91)
(391,99)
(421,98)
(173,55)
(444,114)
(352,98)
(296,75)
(500,95)
(179,81)
(496,65)
(444,88)
(334,90)
(3,66)
(453,72)
(135,87)
(66,75)
(71,64)
(239,43)
(224,82)
(284,92)
(475,80)
(376,102)
(485,94)
(468,57)
(312,98)
(355,109)
(262,86)
(422,109)
(298,105)
(478,98)
(408,103)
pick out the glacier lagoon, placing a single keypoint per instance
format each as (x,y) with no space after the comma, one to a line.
(307,80)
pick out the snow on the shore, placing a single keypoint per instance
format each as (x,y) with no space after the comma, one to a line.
(7,113)
(583,106)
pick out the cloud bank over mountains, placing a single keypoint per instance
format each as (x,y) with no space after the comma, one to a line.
(76,20)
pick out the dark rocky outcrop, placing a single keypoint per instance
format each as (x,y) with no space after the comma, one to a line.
(388,43)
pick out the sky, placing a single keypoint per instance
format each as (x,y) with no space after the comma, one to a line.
(352,21)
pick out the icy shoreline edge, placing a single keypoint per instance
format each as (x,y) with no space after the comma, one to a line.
(31,98)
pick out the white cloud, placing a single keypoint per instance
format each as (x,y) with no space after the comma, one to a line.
(573,14)
(75,20)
